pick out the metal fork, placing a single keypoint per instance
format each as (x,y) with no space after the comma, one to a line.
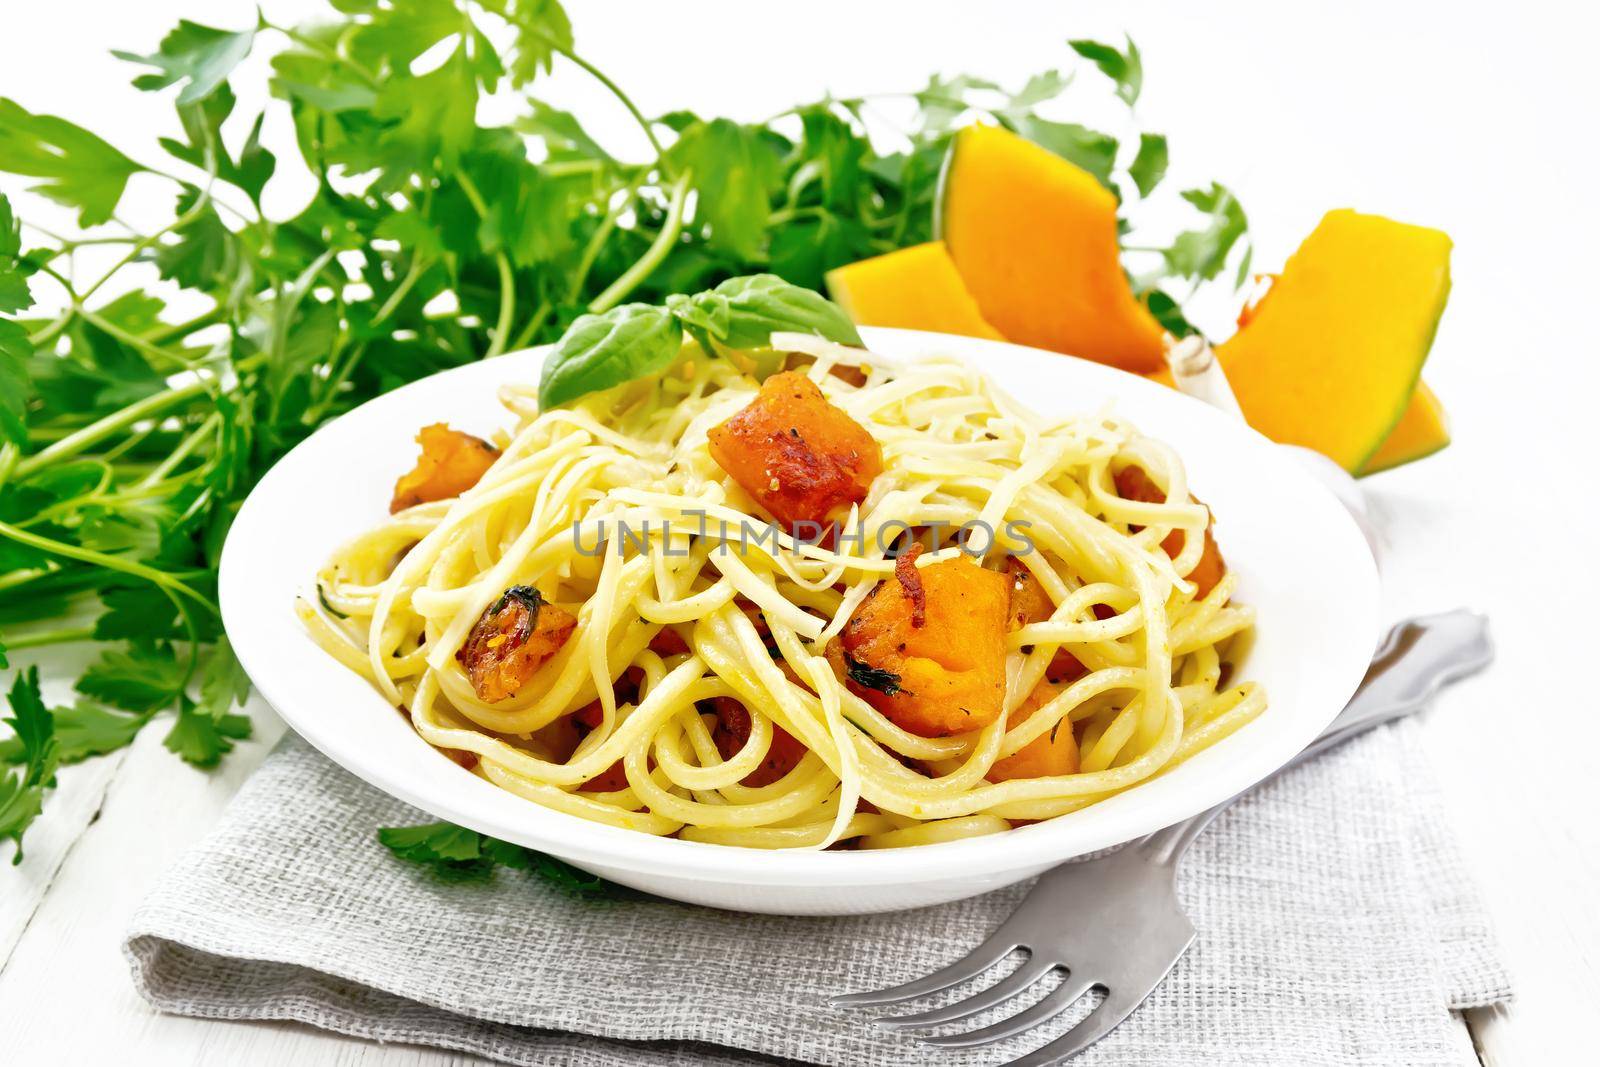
(1127,929)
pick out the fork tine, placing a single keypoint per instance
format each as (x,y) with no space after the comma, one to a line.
(1030,972)
(1092,1028)
(992,951)
(1054,1003)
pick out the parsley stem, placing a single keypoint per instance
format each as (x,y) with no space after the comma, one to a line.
(196,209)
(185,448)
(337,379)
(166,332)
(601,235)
(101,559)
(98,431)
(41,638)
(311,44)
(508,306)
(641,269)
(105,325)
(413,272)
(50,332)
(23,577)
(536,320)
(502,263)
(8,460)
(614,89)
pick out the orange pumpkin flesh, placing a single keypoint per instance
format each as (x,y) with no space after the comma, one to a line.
(1331,357)
(915,288)
(1035,239)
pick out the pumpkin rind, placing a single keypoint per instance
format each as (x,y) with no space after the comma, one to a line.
(1423,430)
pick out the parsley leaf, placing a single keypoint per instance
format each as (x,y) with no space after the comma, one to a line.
(433,843)
(136,612)
(1169,314)
(1202,253)
(14,293)
(82,729)
(735,171)
(454,851)
(22,792)
(1123,68)
(143,678)
(200,56)
(201,738)
(16,386)
(205,731)
(1150,165)
(80,170)
(542,29)
(1092,150)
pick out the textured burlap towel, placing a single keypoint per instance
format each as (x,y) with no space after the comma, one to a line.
(1336,926)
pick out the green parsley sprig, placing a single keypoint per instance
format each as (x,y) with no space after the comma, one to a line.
(130,432)
(454,852)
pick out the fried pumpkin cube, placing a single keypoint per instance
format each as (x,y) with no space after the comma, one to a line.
(1045,756)
(732,732)
(451,463)
(511,640)
(1134,484)
(798,456)
(1030,603)
(946,675)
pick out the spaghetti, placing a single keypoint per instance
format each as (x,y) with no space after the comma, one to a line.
(608,622)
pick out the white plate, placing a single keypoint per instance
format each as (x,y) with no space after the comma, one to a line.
(1301,560)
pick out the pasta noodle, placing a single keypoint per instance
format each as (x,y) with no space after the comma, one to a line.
(686,604)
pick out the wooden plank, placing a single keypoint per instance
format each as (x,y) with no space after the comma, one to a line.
(70,810)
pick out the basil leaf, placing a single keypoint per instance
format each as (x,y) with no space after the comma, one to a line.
(760,305)
(600,351)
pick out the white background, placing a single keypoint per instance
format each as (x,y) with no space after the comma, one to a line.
(1474,119)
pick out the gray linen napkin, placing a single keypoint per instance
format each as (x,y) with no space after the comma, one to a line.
(1336,926)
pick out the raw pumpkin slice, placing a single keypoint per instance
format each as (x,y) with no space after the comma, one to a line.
(1331,357)
(1422,430)
(1035,239)
(915,288)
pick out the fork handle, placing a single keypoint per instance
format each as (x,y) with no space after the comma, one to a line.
(1417,659)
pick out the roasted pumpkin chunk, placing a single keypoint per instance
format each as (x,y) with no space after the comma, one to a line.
(451,463)
(732,732)
(614,777)
(1134,484)
(930,653)
(511,640)
(1030,603)
(1050,754)
(801,458)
